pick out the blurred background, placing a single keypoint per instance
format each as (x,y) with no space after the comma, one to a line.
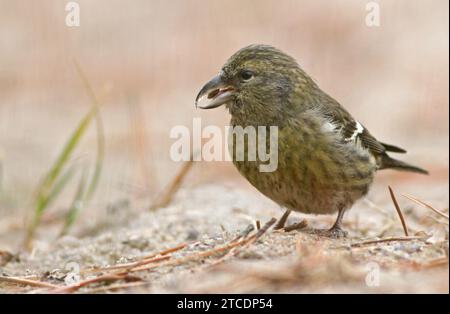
(146,61)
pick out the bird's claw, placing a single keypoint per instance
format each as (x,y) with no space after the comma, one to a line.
(337,233)
(333,233)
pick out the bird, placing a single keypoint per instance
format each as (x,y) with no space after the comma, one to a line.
(327,159)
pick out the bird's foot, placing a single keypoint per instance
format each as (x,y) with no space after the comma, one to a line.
(282,221)
(334,233)
(279,225)
(296,226)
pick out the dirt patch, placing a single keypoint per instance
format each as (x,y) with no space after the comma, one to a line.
(193,246)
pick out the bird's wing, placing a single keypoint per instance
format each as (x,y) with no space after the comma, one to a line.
(352,130)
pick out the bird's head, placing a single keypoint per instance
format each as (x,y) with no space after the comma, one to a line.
(257,83)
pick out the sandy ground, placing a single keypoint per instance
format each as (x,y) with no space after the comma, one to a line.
(210,216)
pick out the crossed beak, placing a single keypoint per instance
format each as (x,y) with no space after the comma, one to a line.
(214,94)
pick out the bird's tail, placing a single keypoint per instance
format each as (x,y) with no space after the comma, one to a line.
(391,163)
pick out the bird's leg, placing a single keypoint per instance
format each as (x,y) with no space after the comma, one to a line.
(336,231)
(282,221)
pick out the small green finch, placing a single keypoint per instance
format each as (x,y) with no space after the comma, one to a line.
(326,159)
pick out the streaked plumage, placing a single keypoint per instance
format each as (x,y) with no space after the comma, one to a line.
(327,159)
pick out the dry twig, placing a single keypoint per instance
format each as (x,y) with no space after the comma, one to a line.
(247,242)
(244,233)
(119,287)
(103,278)
(399,212)
(417,201)
(391,239)
(166,196)
(27,282)
(297,226)
(152,258)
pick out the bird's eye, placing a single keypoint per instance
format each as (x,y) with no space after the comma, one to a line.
(246,75)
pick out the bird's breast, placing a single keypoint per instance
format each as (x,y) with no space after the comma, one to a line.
(314,171)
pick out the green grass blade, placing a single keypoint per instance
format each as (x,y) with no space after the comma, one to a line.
(100,132)
(87,193)
(66,153)
(45,188)
(52,185)
(77,204)
(99,159)
(60,184)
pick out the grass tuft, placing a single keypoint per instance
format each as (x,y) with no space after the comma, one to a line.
(61,172)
